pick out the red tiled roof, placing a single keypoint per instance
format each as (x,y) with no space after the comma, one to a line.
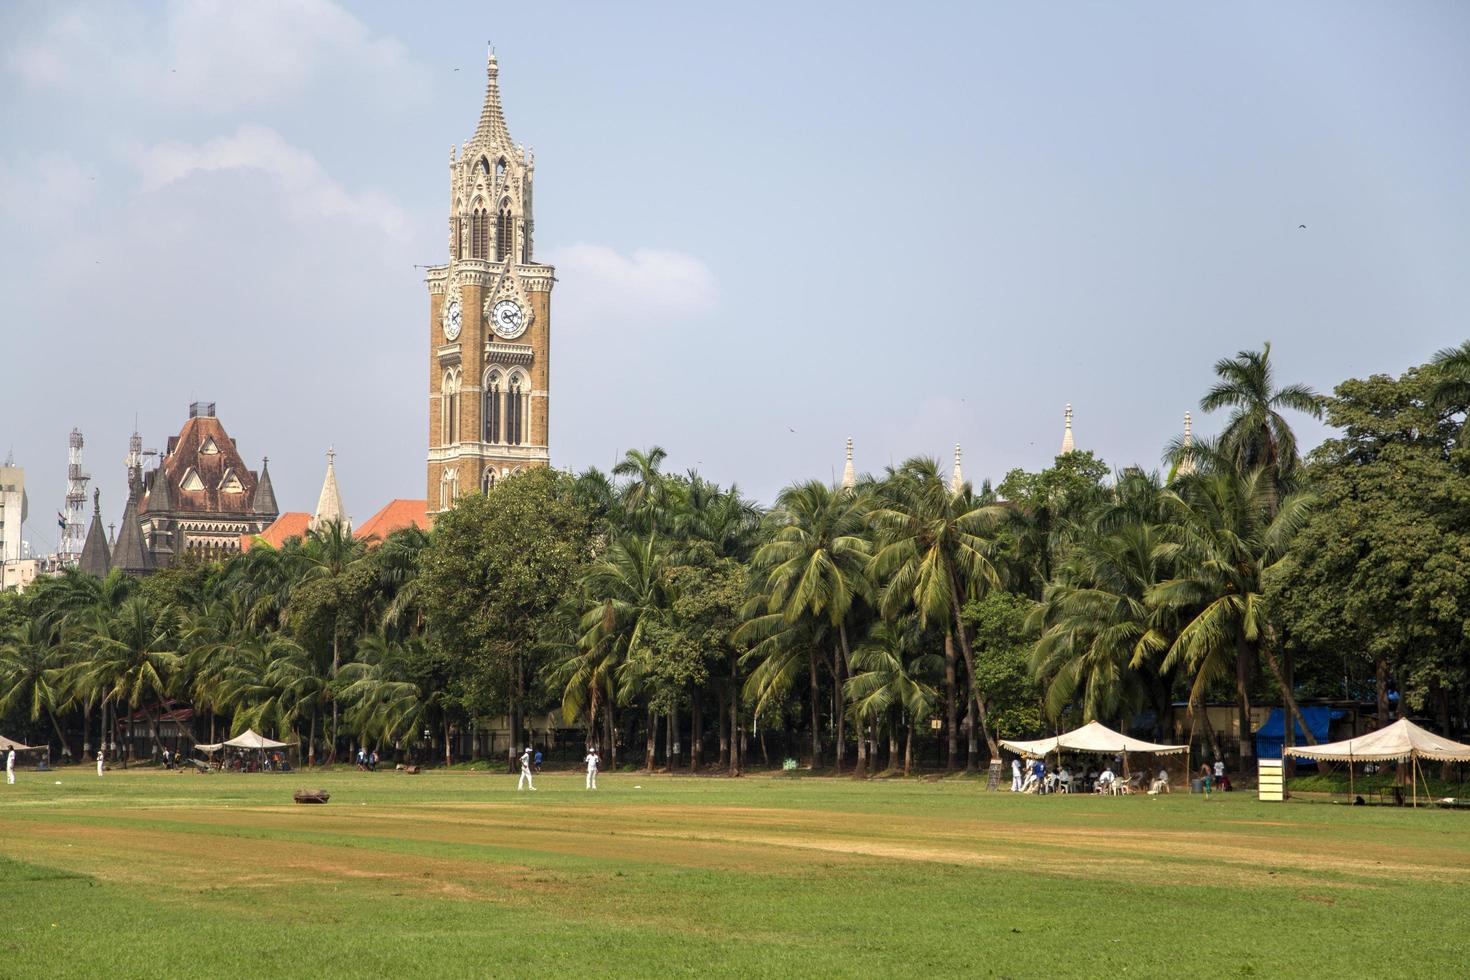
(398,514)
(291,524)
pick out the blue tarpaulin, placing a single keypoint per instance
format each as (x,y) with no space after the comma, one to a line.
(1272,735)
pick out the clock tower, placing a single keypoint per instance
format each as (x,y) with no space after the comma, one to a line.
(489,319)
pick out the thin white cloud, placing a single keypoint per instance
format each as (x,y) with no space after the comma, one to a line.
(647,286)
(310,191)
(214,54)
(45,188)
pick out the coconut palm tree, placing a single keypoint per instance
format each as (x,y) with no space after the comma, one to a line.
(643,494)
(1257,434)
(813,565)
(133,656)
(1451,392)
(1100,640)
(29,672)
(892,677)
(623,595)
(935,554)
(1229,536)
(383,702)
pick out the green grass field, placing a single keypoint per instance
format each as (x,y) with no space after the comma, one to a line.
(147,874)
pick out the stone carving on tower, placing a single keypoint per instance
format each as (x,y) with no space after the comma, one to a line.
(489,318)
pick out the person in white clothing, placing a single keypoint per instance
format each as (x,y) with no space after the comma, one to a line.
(99,762)
(592,769)
(525,779)
(1015,775)
(1105,780)
(10,767)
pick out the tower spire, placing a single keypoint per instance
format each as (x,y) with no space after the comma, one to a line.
(849,479)
(492,126)
(957,479)
(1067,444)
(329,504)
(1186,465)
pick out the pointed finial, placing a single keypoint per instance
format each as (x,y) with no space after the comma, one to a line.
(1067,444)
(331,454)
(957,479)
(1186,465)
(849,478)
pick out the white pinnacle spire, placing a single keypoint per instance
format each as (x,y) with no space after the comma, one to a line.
(329,504)
(957,480)
(1067,444)
(849,479)
(1186,465)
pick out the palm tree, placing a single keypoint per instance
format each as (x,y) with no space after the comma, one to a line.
(890,677)
(384,703)
(934,556)
(1229,536)
(29,669)
(132,660)
(1451,392)
(625,596)
(643,494)
(1100,639)
(328,553)
(814,565)
(1256,434)
(297,684)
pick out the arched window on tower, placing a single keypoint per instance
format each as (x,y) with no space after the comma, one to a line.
(492,406)
(480,233)
(449,400)
(487,480)
(515,411)
(500,170)
(482,168)
(504,233)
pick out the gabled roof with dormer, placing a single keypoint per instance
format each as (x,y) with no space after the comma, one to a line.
(204,457)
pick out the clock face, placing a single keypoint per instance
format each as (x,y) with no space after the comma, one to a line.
(452,320)
(508,319)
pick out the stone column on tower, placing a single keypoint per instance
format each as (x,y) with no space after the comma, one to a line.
(1067,443)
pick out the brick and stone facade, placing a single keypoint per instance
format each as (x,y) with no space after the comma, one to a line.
(489,319)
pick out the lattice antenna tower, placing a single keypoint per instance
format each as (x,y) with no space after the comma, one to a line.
(73,535)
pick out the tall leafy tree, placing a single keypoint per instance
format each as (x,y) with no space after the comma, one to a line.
(1256,434)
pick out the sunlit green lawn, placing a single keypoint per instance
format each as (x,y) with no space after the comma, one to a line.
(165,874)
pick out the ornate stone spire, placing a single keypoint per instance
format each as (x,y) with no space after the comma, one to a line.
(265,494)
(1067,444)
(329,504)
(130,553)
(492,128)
(95,557)
(957,479)
(849,479)
(158,496)
(1186,465)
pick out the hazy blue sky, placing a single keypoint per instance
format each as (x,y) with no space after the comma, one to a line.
(913,224)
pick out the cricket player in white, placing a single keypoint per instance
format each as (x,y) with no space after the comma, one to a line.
(99,762)
(10,767)
(525,779)
(592,769)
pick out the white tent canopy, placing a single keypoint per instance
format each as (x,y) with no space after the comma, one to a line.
(1091,737)
(6,744)
(1401,740)
(248,739)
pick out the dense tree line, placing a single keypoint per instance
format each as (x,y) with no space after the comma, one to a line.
(676,623)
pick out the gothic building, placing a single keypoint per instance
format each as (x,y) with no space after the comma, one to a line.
(202,498)
(489,319)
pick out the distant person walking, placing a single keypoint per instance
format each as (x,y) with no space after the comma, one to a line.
(525,779)
(99,762)
(537,762)
(10,767)
(592,761)
(168,760)
(1207,780)
(1016,775)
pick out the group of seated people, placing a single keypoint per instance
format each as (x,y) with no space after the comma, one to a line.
(1035,777)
